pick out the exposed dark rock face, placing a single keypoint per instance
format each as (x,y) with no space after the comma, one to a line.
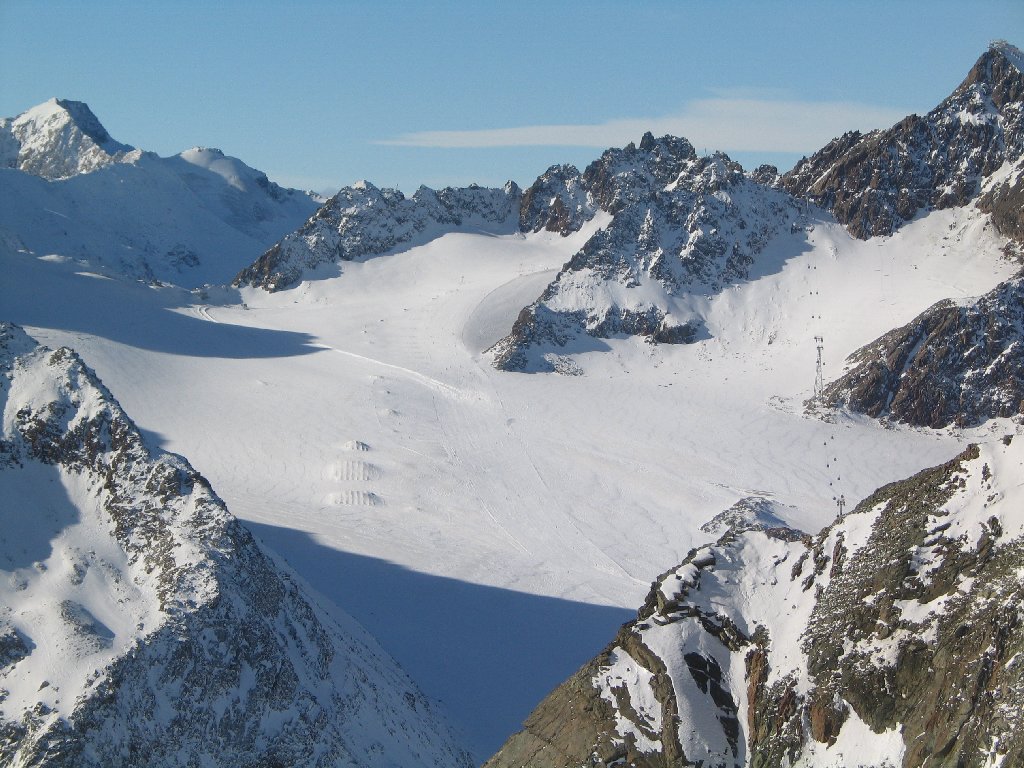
(364,221)
(562,200)
(873,183)
(682,225)
(156,631)
(557,201)
(892,638)
(1004,200)
(953,364)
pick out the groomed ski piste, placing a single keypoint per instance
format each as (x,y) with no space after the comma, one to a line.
(492,529)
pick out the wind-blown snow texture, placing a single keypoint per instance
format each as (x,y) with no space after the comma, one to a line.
(190,219)
(894,637)
(141,624)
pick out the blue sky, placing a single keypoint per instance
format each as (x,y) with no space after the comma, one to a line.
(320,94)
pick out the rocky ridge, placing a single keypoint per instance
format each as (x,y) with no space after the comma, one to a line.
(362,221)
(141,624)
(682,226)
(892,638)
(957,363)
(874,182)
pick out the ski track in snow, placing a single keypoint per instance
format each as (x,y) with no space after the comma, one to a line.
(403,461)
(427,381)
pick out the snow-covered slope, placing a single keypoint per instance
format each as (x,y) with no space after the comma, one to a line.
(141,624)
(894,637)
(190,219)
(492,529)
(873,183)
(58,139)
(362,221)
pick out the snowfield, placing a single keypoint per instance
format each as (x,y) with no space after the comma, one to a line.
(492,529)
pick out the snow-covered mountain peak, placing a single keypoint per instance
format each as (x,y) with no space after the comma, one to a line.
(1010,52)
(58,139)
(875,183)
(989,67)
(137,615)
(189,219)
(235,172)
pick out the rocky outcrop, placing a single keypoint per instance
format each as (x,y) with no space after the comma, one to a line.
(671,237)
(141,624)
(1003,198)
(873,183)
(957,363)
(363,221)
(892,638)
(558,201)
(562,199)
(57,140)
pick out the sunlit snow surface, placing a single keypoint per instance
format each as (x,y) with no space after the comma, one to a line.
(492,529)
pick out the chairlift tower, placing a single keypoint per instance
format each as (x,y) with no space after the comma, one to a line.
(819,377)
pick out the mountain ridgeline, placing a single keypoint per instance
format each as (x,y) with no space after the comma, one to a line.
(191,219)
(875,182)
(682,226)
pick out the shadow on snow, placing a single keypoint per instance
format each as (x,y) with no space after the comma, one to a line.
(489,654)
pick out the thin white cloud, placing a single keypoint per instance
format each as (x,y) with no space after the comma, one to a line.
(727,123)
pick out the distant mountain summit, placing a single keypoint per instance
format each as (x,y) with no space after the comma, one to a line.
(57,140)
(70,190)
(562,199)
(141,624)
(681,227)
(874,182)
